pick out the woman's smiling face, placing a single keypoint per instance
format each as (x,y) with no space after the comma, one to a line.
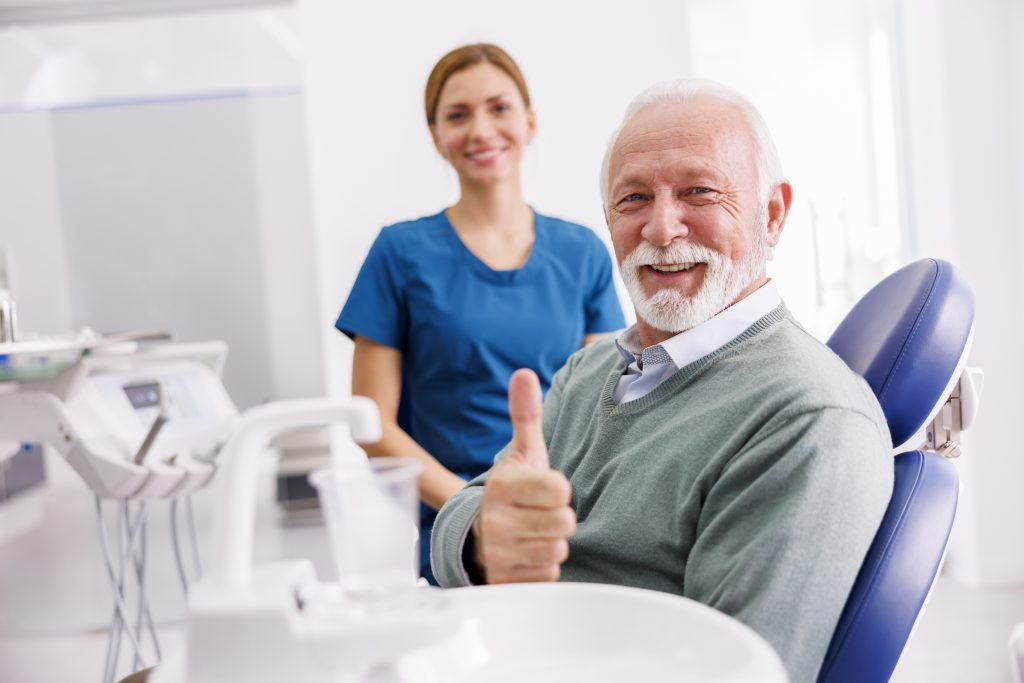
(482,124)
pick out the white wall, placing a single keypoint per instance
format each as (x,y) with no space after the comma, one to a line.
(162,227)
(372,160)
(30,222)
(185,215)
(154,173)
(290,301)
(51,64)
(819,74)
(965,84)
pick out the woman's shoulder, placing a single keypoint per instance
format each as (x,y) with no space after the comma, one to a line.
(416,228)
(425,236)
(568,233)
(560,224)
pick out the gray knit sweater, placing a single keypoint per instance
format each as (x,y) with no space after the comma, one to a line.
(752,480)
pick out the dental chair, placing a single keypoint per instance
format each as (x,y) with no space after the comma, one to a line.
(909,338)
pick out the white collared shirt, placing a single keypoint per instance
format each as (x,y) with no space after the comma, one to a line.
(651,366)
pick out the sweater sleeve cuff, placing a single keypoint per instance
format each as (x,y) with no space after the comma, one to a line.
(451,529)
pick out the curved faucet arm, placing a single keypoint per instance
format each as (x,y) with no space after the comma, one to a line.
(238,478)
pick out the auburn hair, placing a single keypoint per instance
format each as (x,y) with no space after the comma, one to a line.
(462,58)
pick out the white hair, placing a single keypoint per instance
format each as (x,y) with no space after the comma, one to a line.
(769,168)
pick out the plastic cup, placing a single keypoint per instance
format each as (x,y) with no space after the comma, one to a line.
(372,515)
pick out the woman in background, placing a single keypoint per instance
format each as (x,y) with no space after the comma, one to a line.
(447,306)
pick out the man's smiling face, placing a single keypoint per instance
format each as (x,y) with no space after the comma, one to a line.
(690,232)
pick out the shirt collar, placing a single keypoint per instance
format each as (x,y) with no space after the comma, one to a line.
(709,336)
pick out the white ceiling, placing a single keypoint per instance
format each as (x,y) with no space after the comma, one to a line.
(36,11)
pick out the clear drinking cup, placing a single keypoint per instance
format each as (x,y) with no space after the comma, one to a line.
(372,515)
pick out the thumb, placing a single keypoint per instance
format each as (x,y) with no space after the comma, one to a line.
(524,407)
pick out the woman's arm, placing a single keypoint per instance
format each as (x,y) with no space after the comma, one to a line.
(377,374)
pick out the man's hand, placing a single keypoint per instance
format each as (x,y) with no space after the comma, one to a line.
(525,520)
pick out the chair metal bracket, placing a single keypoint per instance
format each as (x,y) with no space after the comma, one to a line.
(942,434)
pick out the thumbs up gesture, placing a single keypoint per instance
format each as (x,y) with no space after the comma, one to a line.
(525,520)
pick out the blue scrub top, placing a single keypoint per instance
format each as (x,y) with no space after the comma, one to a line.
(464,328)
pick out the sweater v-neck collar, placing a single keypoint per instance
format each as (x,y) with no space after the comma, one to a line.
(685,373)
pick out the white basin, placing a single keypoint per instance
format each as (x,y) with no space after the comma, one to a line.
(598,633)
(548,633)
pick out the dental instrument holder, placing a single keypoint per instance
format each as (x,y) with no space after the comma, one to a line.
(262,624)
(80,395)
(69,409)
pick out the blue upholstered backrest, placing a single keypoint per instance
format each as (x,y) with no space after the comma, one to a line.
(906,337)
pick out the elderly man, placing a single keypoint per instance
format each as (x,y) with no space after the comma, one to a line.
(715,449)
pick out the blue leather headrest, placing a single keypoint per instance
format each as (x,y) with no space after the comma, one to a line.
(906,337)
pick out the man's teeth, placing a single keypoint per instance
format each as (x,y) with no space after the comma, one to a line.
(673,268)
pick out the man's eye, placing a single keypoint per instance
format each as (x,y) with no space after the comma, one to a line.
(634,197)
(701,190)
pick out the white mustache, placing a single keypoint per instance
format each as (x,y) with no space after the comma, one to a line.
(645,254)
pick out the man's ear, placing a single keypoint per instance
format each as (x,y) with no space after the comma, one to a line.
(779,201)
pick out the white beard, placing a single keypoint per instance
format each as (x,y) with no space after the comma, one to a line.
(672,311)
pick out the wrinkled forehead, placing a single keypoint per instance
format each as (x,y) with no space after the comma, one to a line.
(703,128)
